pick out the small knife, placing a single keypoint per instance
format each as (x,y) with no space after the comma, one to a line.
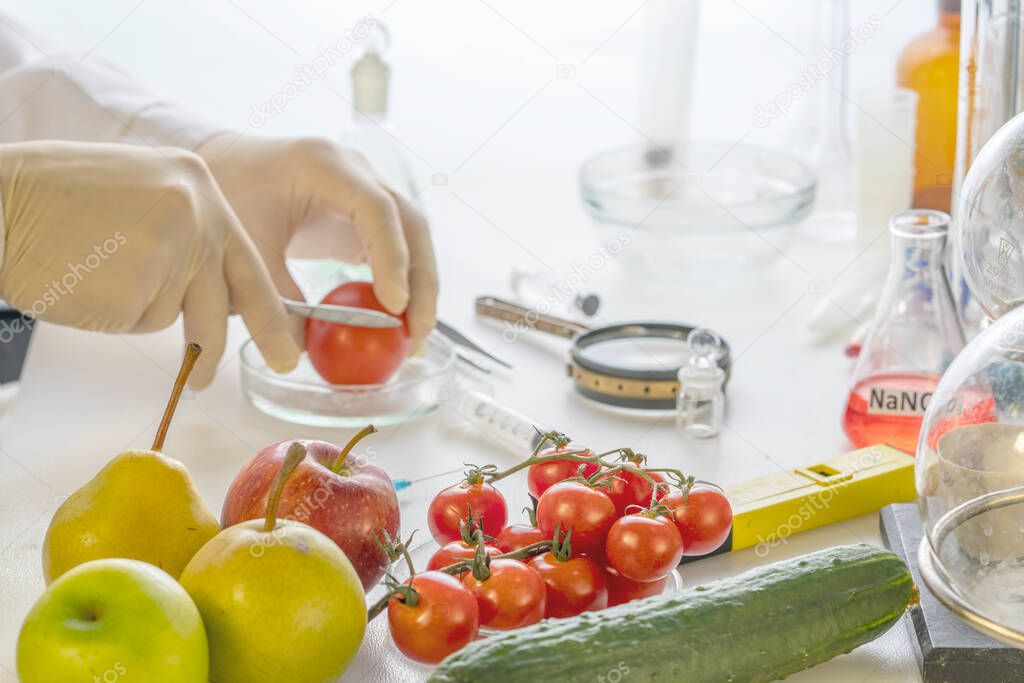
(342,315)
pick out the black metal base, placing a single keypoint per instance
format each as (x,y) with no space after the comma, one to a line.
(947,649)
(15,333)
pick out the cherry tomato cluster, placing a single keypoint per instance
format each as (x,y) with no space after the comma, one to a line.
(600,533)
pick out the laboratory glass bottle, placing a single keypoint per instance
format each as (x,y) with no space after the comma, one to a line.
(371,130)
(912,340)
(700,404)
(929,65)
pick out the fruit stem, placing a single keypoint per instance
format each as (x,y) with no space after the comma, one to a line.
(296,454)
(339,462)
(192,351)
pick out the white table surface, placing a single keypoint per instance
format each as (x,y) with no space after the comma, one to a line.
(477,98)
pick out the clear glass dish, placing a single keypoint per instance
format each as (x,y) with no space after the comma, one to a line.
(709,205)
(303,397)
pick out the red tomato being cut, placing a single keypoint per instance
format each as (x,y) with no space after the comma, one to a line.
(344,354)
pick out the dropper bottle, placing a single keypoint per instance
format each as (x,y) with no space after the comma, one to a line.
(370,130)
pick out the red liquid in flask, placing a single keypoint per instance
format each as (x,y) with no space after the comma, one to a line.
(888,409)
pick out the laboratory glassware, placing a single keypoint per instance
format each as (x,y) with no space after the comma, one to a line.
(700,406)
(666,82)
(913,338)
(370,129)
(929,66)
(422,383)
(541,291)
(711,209)
(991,93)
(883,162)
(829,151)
(989,231)
(970,458)
(633,365)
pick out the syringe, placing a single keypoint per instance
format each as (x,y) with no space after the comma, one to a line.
(509,428)
(512,430)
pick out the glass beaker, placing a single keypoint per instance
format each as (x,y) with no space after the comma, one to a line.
(912,340)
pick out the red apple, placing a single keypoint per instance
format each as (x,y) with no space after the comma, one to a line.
(345,498)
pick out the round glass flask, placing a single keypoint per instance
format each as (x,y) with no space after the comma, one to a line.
(970,453)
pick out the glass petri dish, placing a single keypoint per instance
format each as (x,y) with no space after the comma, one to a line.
(706,206)
(303,397)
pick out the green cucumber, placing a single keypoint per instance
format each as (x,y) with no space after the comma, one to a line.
(761,625)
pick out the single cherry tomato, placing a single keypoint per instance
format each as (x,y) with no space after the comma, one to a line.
(513,596)
(516,536)
(571,506)
(450,553)
(444,619)
(621,589)
(544,475)
(453,504)
(644,548)
(629,489)
(574,586)
(704,518)
(344,354)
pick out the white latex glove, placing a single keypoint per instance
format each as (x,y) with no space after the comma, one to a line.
(325,201)
(122,238)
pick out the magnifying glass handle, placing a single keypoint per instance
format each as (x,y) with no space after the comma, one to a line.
(493,307)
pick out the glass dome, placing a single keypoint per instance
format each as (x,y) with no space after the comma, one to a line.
(989,229)
(970,453)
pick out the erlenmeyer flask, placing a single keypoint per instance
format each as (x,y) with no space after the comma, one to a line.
(914,337)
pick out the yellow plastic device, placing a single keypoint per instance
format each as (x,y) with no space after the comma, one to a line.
(768,510)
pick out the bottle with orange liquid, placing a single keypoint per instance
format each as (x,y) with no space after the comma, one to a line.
(930,66)
(915,335)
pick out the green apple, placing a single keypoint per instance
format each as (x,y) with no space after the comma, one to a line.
(111,620)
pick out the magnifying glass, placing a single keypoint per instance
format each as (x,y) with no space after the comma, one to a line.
(627,365)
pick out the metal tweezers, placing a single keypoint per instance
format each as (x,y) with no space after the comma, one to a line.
(364,317)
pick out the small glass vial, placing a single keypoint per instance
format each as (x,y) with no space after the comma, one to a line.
(700,406)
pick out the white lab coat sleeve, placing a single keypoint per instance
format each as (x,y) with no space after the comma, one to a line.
(56,95)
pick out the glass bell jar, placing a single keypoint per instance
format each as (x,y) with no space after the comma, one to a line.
(970,453)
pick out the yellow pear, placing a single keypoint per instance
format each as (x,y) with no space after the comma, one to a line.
(142,505)
(280,601)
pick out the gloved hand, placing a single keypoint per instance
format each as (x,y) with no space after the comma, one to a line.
(324,201)
(123,238)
